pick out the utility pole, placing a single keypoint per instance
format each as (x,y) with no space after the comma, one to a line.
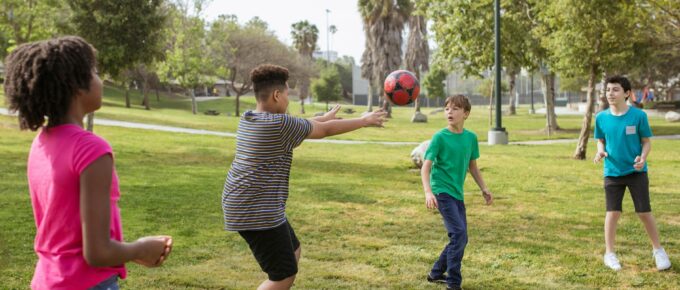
(328,36)
(497,135)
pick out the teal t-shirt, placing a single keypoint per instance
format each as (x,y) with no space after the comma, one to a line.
(450,154)
(623,139)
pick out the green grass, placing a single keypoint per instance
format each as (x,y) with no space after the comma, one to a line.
(359,213)
(175,110)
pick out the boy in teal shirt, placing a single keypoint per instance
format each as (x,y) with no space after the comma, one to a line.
(451,153)
(622,134)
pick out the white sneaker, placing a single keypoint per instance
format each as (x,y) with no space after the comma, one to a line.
(611,261)
(661,258)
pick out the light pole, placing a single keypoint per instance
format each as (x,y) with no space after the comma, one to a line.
(328,52)
(497,135)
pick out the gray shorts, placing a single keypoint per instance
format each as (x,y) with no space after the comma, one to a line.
(638,186)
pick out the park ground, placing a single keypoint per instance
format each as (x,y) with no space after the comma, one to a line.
(359,209)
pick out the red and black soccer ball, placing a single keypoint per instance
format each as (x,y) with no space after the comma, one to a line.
(402,87)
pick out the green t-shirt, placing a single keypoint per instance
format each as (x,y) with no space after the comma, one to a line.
(450,154)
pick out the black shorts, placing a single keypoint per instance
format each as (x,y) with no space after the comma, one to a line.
(638,186)
(274,249)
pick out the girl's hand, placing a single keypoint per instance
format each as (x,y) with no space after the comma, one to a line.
(153,250)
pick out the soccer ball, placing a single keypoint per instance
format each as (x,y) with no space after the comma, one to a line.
(402,87)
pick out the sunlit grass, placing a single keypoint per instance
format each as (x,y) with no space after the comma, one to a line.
(358,211)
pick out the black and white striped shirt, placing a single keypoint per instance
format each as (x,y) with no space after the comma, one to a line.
(256,189)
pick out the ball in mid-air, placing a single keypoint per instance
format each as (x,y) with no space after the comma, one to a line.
(402,87)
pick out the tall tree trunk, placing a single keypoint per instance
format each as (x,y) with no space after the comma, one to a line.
(127,97)
(238,103)
(194,106)
(387,107)
(158,98)
(604,104)
(370,97)
(582,145)
(145,92)
(418,105)
(304,93)
(511,108)
(90,121)
(548,79)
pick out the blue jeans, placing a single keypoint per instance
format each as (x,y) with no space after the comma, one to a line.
(108,284)
(455,222)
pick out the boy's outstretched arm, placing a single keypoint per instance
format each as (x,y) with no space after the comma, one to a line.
(477,175)
(336,127)
(642,158)
(430,199)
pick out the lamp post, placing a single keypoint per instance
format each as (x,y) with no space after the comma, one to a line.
(497,135)
(328,52)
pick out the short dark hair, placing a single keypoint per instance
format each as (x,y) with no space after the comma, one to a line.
(621,80)
(42,77)
(460,101)
(266,78)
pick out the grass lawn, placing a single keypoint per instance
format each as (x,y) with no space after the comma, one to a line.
(176,111)
(359,212)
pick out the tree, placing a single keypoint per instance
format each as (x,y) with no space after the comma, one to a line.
(367,68)
(433,83)
(185,61)
(305,36)
(250,46)
(29,20)
(539,56)
(126,33)
(417,54)
(327,87)
(220,31)
(384,22)
(657,55)
(463,31)
(593,45)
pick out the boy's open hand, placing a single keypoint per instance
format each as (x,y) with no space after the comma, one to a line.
(639,163)
(375,118)
(430,201)
(330,115)
(599,155)
(487,197)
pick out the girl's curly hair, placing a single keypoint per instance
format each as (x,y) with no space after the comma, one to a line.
(42,77)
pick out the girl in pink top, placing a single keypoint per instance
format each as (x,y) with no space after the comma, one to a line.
(71,174)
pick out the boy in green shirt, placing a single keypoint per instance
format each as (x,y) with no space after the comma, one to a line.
(451,153)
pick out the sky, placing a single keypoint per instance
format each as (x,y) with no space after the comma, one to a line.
(280,15)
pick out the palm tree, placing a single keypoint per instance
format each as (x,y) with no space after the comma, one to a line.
(417,55)
(305,36)
(367,69)
(384,22)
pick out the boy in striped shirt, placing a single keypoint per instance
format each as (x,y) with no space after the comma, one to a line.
(256,189)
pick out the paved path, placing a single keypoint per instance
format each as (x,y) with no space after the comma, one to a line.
(114,123)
